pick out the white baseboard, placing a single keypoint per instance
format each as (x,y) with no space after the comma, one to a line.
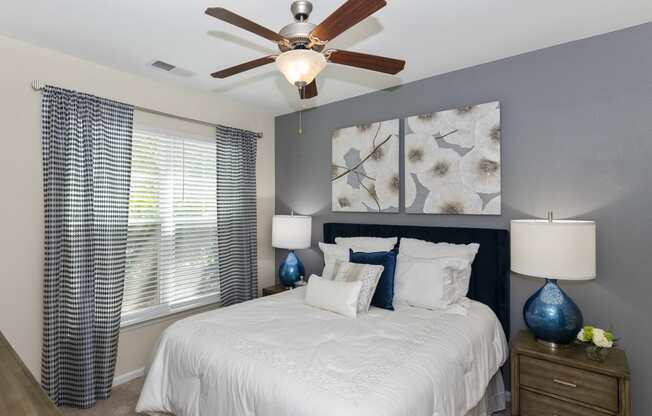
(127,377)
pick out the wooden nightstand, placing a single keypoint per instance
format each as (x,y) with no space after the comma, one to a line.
(272,290)
(564,382)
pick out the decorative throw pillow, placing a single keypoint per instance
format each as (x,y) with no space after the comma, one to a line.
(334,255)
(367,244)
(428,283)
(367,274)
(338,297)
(384,295)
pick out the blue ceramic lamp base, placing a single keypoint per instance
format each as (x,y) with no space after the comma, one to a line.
(291,270)
(552,316)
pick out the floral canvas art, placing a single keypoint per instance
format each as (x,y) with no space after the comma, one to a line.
(365,168)
(452,161)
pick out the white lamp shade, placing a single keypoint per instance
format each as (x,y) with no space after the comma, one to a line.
(562,250)
(300,66)
(291,231)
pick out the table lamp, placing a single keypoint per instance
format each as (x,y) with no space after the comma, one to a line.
(553,250)
(291,232)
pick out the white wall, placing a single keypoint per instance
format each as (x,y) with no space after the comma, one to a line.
(21,207)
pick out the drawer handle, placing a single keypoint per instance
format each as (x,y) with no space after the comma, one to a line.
(564,383)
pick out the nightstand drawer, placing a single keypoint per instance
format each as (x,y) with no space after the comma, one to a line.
(584,386)
(533,404)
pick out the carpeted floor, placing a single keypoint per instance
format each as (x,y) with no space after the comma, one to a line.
(123,402)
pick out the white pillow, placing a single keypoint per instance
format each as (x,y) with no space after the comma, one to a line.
(367,244)
(367,274)
(428,283)
(427,250)
(462,282)
(338,297)
(334,255)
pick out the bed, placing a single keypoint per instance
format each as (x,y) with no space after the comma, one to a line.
(278,356)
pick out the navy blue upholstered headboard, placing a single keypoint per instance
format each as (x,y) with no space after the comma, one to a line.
(490,276)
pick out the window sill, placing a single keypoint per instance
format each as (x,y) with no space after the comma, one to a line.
(155,315)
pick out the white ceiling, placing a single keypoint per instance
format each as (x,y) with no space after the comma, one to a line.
(433,36)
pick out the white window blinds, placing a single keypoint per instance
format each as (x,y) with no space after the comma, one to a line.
(172,232)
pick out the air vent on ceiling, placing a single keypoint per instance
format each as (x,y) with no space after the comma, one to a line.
(163,65)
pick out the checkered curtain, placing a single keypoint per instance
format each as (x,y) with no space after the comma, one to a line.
(86,173)
(236,215)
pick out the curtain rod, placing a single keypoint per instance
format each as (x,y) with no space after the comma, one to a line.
(39,85)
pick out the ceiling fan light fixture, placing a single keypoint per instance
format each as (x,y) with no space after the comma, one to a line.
(300,66)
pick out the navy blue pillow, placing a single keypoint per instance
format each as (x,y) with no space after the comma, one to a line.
(384,294)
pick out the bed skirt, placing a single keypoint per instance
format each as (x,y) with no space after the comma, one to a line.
(494,399)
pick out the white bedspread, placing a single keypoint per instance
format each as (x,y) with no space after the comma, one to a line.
(277,356)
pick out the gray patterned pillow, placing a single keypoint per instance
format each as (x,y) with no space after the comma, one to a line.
(334,256)
(367,274)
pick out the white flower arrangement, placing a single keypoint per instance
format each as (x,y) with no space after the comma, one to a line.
(597,336)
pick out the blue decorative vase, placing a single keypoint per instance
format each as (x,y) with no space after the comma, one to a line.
(291,270)
(552,316)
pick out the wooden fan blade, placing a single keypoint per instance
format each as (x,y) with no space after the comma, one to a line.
(243,67)
(246,24)
(309,91)
(366,61)
(348,15)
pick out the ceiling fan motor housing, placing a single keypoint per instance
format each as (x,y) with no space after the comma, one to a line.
(297,35)
(298,32)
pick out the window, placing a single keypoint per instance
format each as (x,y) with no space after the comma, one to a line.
(172,231)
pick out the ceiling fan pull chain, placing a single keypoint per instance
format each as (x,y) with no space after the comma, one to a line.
(300,122)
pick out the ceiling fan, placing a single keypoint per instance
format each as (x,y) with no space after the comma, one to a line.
(302,44)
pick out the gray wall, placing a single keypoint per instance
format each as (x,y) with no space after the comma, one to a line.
(577,139)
